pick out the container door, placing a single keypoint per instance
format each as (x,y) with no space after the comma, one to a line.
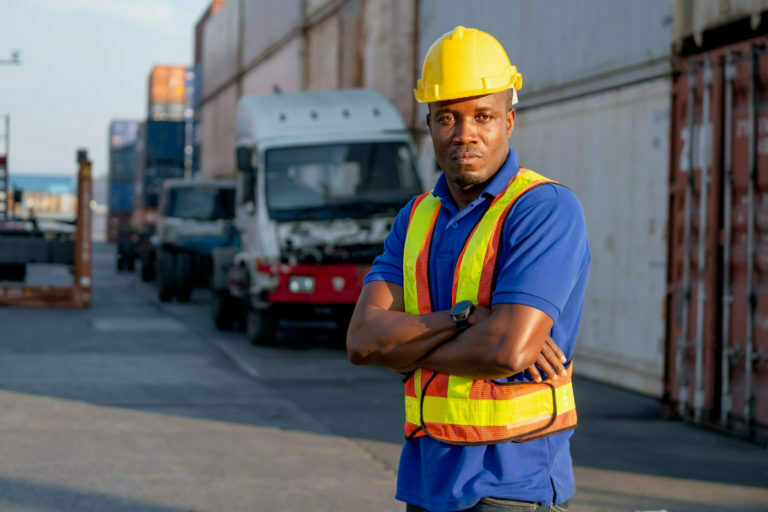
(718,275)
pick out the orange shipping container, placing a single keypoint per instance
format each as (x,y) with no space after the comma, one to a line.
(167,84)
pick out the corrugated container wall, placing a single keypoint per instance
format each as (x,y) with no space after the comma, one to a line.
(623,189)
(564,49)
(717,339)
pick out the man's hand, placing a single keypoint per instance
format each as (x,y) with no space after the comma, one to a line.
(551,360)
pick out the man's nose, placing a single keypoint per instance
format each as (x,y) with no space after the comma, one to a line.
(464,132)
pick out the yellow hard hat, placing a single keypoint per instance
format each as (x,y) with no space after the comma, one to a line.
(465,62)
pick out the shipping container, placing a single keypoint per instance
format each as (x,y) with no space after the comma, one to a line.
(281,70)
(717,338)
(624,197)
(120,197)
(159,154)
(217,159)
(121,164)
(564,49)
(704,24)
(122,134)
(220,42)
(322,59)
(116,224)
(212,9)
(265,24)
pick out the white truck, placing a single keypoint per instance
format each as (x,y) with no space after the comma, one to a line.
(321,178)
(194,218)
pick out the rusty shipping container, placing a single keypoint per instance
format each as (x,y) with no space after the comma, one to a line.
(167,93)
(717,291)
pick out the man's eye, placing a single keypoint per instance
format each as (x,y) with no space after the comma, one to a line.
(446,119)
(484,117)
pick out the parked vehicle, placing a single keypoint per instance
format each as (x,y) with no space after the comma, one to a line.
(322,176)
(194,218)
(159,155)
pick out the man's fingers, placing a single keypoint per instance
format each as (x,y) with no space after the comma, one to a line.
(551,343)
(534,373)
(544,365)
(553,359)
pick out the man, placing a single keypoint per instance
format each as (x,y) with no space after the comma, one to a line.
(475,278)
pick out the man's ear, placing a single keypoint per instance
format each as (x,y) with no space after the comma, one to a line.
(429,120)
(510,122)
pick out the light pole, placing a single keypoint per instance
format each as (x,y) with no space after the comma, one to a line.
(14,60)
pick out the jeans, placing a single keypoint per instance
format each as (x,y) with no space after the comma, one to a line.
(500,505)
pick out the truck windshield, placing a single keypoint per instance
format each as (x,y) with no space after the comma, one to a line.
(203,203)
(339,180)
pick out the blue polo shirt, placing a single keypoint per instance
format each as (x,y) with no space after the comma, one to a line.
(544,263)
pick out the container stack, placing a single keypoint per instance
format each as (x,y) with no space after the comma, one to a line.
(167,93)
(122,142)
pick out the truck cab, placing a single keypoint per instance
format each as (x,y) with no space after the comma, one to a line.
(194,218)
(322,176)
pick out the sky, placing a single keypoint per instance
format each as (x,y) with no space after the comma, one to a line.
(84,62)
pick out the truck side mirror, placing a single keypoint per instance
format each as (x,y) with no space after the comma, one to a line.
(244,159)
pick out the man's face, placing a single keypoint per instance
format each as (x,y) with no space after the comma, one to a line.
(470,136)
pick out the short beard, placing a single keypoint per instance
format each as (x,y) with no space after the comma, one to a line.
(468,180)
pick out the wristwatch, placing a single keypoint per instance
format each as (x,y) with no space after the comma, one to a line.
(460,314)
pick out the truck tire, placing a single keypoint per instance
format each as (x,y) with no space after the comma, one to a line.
(147,272)
(130,261)
(166,276)
(225,310)
(261,327)
(183,277)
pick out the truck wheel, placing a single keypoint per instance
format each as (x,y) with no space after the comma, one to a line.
(147,272)
(130,261)
(261,327)
(166,278)
(183,277)
(224,308)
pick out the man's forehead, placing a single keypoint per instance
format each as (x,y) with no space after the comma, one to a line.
(474,103)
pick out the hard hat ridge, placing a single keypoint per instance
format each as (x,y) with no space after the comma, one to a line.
(465,62)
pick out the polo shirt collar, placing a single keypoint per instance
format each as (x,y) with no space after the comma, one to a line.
(497,185)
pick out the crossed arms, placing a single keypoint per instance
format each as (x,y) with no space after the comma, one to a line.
(501,341)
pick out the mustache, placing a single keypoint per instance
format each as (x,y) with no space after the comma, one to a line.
(467,150)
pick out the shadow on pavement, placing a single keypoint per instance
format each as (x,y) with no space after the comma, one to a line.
(43,497)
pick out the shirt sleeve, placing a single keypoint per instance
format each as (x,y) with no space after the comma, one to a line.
(389,265)
(545,250)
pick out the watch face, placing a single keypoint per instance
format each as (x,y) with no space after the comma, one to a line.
(461,309)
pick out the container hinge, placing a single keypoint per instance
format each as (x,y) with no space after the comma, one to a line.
(734,354)
(729,175)
(730,71)
(727,299)
(727,405)
(759,357)
(707,75)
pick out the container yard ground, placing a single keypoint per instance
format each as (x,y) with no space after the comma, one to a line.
(138,406)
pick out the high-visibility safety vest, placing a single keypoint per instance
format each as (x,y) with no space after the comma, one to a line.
(461,410)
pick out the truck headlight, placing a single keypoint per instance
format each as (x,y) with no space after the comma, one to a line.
(301,284)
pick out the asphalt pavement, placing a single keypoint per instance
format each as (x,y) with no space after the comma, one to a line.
(137,405)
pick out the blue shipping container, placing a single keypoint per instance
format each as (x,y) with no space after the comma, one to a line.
(120,197)
(121,165)
(153,182)
(165,143)
(122,134)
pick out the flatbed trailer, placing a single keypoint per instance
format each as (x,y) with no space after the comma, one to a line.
(20,246)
